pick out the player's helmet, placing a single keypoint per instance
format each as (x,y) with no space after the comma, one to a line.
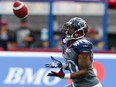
(75,28)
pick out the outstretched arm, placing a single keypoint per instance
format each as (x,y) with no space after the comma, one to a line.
(84,65)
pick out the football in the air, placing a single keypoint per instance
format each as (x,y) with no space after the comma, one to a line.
(20,9)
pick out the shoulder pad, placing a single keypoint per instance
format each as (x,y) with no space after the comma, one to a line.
(82,44)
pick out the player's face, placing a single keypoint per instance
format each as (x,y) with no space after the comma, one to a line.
(70,31)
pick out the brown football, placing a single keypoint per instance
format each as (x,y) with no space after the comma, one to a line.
(20,9)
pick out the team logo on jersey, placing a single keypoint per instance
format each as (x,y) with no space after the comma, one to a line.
(68,50)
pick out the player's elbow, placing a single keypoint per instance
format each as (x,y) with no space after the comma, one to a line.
(85,73)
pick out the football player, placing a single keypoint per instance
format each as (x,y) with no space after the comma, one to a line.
(78,53)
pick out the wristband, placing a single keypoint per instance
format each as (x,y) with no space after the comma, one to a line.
(64,65)
(67,76)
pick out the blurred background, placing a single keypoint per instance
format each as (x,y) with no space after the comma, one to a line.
(46,18)
(41,32)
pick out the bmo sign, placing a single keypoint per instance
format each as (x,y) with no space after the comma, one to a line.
(25,76)
(19,69)
(27,69)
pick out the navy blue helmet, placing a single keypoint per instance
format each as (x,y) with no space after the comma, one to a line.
(75,28)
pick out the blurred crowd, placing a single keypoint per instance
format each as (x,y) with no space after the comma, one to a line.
(25,37)
(96,39)
(6,37)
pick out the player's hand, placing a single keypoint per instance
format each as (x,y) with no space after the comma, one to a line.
(54,64)
(59,74)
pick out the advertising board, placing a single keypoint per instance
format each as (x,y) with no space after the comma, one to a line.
(27,69)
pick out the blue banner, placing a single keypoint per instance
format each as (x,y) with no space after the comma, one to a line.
(28,70)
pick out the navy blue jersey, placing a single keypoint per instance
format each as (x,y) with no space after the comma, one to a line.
(71,56)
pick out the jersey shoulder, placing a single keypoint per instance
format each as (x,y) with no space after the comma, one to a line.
(82,45)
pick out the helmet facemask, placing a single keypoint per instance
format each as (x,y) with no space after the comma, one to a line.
(74,32)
